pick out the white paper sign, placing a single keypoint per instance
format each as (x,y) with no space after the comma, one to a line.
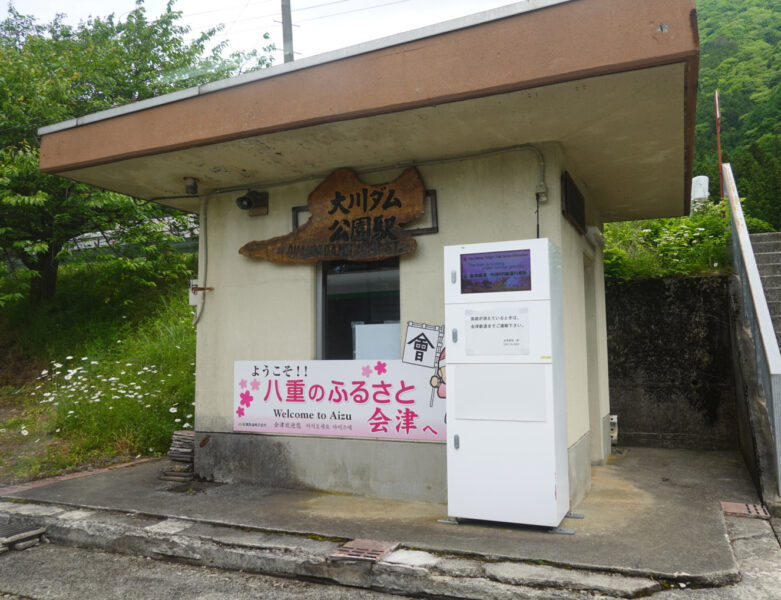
(497,331)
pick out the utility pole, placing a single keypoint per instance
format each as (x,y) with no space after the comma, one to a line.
(717,109)
(287,31)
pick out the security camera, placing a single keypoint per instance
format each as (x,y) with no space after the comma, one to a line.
(253,201)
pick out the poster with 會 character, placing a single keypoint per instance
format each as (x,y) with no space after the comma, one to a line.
(378,399)
(422,344)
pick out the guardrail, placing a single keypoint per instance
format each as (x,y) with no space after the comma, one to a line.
(757,314)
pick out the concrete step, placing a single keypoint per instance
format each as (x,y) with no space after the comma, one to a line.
(776,323)
(770,281)
(766,258)
(774,306)
(766,246)
(774,236)
(769,269)
(300,556)
(772,294)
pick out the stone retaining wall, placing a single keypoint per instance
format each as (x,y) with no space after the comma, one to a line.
(670,363)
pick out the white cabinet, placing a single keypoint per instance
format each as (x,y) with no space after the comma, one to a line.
(506,407)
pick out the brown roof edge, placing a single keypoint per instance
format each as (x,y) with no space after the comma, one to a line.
(453,66)
(398,108)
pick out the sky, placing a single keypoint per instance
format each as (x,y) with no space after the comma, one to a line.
(318,25)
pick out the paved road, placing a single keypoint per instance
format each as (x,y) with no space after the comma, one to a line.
(50,572)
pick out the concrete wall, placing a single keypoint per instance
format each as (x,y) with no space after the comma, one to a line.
(259,310)
(671,371)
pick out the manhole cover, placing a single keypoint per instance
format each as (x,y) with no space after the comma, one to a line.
(741,509)
(371,550)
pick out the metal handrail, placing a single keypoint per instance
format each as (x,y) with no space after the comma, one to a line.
(757,314)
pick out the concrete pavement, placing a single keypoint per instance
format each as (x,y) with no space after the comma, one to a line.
(86,574)
(652,525)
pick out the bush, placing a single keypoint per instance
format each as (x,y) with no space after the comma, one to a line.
(132,398)
(692,245)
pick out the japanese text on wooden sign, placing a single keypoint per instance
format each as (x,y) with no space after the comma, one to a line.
(350,220)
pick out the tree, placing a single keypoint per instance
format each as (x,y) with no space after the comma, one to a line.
(740,55)
(54,72)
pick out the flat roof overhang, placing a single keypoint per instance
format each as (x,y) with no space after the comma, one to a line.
(612,81)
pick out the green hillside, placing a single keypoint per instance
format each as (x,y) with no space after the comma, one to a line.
(741,58)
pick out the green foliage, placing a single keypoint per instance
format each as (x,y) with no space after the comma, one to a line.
(97,303)
(54,72)
(134,396)
(740,56)
(758,177)
(667,247)
(122,376)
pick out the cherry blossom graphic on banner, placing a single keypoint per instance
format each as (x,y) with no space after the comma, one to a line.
(382,399)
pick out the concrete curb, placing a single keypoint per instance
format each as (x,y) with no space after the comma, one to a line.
(403,571)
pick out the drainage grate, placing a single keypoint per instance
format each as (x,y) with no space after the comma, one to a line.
(19,537)
(740,509)
(371,550)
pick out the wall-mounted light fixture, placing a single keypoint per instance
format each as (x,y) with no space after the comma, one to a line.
(190,185)
(255,202)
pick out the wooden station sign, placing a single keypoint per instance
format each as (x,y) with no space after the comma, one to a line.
(350,221)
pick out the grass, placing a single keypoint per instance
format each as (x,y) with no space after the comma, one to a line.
(681,246)
(102,374)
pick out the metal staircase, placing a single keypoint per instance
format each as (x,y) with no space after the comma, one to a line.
(767,252)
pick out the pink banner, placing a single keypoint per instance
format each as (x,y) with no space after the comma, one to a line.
(381,399)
